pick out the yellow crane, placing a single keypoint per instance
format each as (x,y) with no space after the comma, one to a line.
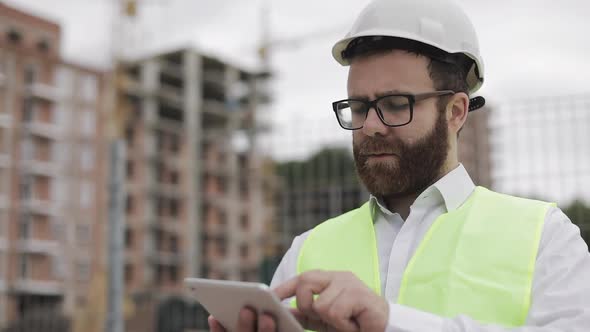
(108,305)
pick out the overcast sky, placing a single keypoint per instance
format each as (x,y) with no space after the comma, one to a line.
(530,48)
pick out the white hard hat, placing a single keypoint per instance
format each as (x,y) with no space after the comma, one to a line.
(438,23)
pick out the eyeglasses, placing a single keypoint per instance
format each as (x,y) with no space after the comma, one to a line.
(394,110)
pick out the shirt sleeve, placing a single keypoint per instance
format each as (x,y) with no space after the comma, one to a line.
(560,297)
(287,268)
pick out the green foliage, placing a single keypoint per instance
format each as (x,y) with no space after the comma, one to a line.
(328,166)
(267,268)
(579,213)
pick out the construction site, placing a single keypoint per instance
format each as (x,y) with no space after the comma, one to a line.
(195,202)
(116,184)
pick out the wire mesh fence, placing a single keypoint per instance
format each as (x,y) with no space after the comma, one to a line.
(542,150)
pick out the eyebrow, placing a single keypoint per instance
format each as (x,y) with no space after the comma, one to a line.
(380,94)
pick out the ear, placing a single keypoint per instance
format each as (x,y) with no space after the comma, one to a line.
(456,112)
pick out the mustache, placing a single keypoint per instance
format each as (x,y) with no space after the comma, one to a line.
(373,146)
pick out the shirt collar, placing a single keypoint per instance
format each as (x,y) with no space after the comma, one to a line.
(454,188)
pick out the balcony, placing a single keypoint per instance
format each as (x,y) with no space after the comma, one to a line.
(166,258)
(4,202)
(46,130)
(37,246)
(215,78)
(171,160)
(249,263)
(224,200)
(216,199)
(215,229)
(167,190)
(170,126)
(171,95)
(251,236)
(219,262)
(132,86)
(216,108)
(40,207)
(218,137)
(5,160)
(216,166)
(168,224)
(39,167)
(172,69)
(44,92)
(38,287)
(6,120)
(133,186)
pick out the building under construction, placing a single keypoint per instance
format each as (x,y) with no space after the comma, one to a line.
(50,174)
(195,203)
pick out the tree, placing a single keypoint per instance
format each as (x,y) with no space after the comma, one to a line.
(326,182)
(579,213)
(333,165)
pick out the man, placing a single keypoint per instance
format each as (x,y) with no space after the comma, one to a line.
(430,251)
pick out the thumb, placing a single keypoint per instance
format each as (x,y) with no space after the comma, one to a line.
(214,325)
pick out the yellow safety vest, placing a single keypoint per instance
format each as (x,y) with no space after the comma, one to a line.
(477,260)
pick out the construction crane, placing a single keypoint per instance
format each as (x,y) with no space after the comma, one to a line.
(116,124)
(267,44)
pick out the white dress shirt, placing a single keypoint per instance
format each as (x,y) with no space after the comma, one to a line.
(561,281)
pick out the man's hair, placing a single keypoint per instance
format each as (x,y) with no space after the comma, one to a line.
(447,71)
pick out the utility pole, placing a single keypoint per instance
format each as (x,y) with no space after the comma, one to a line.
(116,123)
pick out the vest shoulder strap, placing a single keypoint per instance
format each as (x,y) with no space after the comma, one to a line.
(344,243)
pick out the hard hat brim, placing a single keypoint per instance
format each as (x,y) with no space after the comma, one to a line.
(475,75)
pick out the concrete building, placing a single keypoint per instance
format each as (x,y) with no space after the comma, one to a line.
(195,199)
(49,171)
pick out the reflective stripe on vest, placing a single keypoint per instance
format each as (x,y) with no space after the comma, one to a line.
(477,260)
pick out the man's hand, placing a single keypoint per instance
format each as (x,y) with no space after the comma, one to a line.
(344,302)
(248,321)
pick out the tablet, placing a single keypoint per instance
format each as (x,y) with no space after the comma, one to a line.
(224,299)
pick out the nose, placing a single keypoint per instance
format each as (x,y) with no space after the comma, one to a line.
(373,124)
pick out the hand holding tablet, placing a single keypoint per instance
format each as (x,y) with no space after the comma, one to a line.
(224,300)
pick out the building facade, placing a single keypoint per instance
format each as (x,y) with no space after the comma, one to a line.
(49,170)
(195,185)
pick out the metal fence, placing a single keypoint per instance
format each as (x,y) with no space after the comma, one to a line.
(541,150)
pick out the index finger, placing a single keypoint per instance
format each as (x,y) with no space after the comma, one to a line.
(286,289)
(317,280)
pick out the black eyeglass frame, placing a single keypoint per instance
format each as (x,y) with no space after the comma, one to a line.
(412,99)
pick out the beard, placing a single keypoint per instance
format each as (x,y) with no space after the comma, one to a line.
(413,168)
